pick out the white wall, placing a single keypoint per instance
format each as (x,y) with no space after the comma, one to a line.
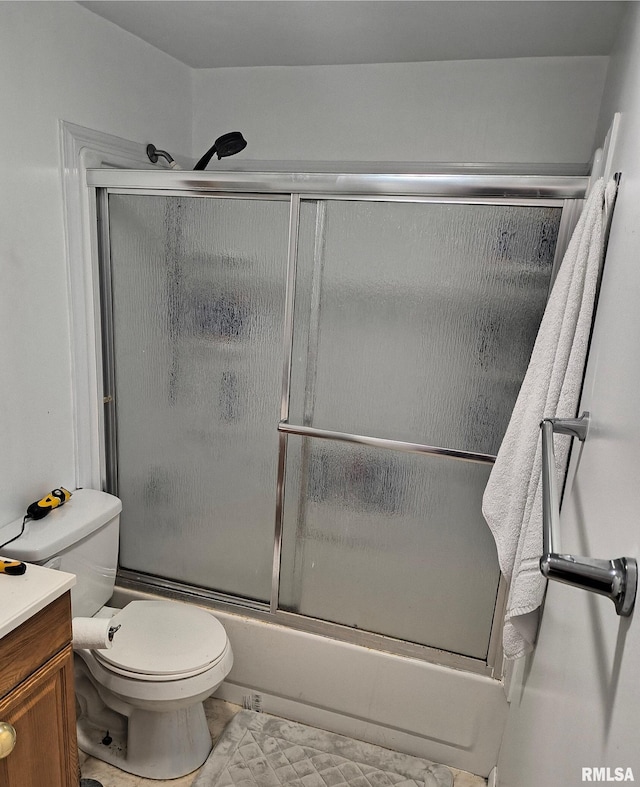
(579,706)
(58,61)
(523,110)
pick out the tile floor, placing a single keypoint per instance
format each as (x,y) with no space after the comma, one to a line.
(218,713)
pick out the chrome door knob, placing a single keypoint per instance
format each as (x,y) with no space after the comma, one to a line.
(7,739)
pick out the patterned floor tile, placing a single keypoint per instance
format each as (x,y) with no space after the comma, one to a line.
(107,775)
(466,779)
(219,713)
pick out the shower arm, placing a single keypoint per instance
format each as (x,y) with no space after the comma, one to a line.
(616,579)
(153,154)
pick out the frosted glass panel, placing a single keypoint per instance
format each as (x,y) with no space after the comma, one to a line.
(389,542)
(413,321)
(198,304)
(416,321)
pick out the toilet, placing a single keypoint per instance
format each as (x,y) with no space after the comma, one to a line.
(139,701)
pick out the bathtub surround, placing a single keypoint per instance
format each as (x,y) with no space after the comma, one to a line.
(512,502)
(256,750)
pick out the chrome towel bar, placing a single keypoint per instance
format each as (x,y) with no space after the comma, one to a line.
(617,579)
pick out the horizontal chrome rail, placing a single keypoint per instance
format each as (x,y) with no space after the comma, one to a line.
(616,579)
(457,184)
(381,442)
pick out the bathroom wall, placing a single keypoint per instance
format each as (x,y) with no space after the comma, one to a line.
(58,61)
(579,704)
(524,110)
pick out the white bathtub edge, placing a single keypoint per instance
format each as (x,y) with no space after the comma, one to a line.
(448,716)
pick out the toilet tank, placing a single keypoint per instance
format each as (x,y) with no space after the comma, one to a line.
(80,537)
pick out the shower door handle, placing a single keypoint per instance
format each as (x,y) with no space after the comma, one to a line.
(382,442)
(616,579)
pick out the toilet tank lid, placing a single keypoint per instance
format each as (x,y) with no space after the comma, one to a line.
(87,511)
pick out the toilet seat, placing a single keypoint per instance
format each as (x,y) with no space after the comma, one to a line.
(163,641)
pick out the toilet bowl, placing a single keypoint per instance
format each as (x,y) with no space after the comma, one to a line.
(140,701)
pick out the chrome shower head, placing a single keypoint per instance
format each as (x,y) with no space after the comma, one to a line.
(226,145)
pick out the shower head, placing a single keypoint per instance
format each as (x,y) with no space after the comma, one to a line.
(226,145)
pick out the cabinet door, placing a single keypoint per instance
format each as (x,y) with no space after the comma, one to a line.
(42,711)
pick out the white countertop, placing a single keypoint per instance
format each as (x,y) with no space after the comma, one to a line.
(21,597)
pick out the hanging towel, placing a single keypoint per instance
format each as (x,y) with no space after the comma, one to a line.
(512,503)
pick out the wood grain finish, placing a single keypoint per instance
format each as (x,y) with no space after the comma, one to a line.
(28,647)
(42,710)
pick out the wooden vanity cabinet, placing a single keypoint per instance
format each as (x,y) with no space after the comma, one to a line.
(37,698)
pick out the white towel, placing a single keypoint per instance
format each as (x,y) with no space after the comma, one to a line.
(512,503)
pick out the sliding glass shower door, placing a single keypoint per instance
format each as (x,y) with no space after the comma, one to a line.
(414,322)
(411,323)
(198,293)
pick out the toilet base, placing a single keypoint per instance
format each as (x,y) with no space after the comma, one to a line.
(153,745)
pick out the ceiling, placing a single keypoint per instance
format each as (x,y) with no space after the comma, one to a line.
(236,33)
